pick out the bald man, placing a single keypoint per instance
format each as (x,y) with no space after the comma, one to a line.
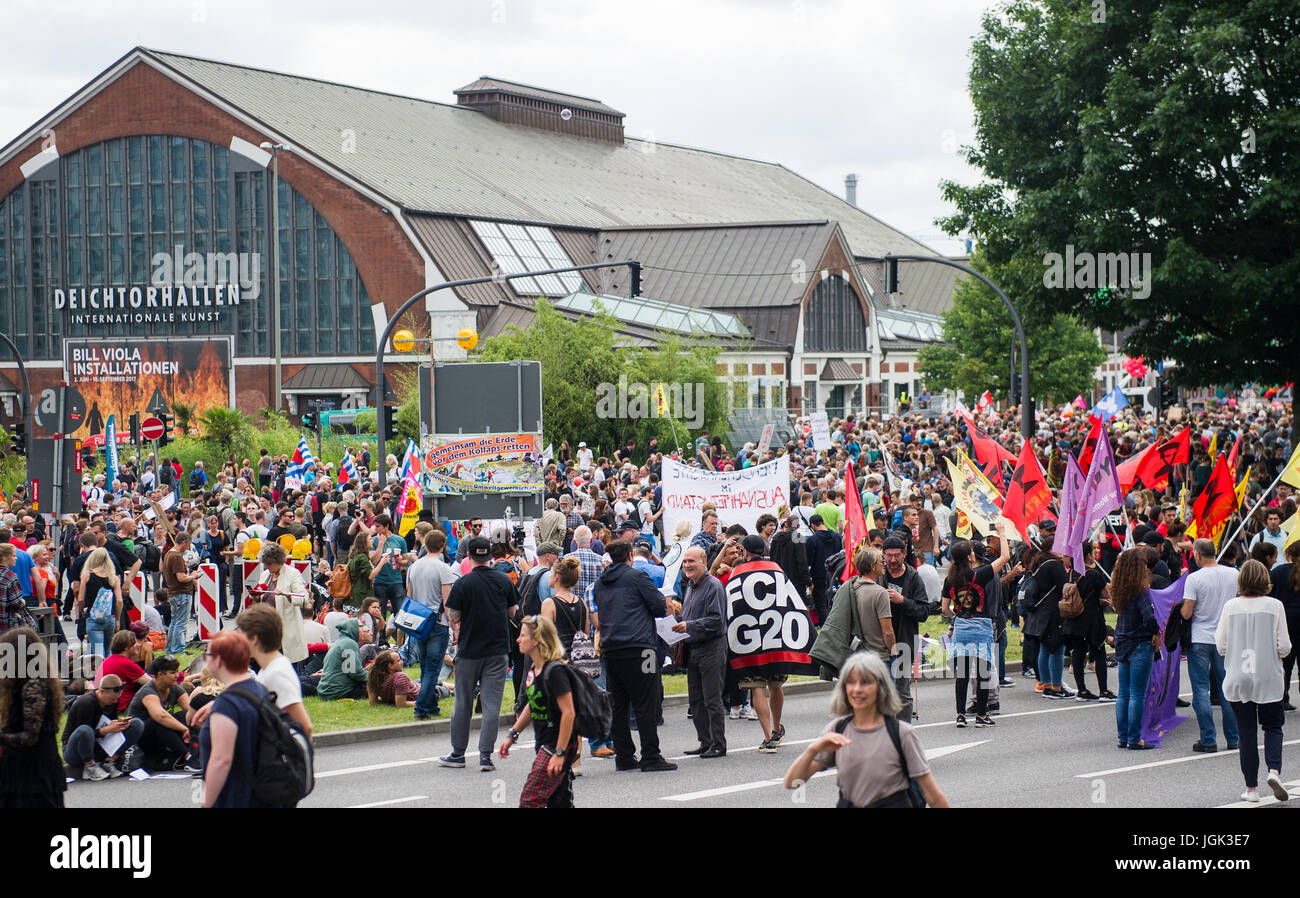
(704,621)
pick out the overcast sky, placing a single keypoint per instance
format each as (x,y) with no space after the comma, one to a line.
(875,87)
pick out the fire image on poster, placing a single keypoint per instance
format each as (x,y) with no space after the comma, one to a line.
(769,630)
(120,377)
(488,463)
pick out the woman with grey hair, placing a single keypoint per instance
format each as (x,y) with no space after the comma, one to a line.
(878,758)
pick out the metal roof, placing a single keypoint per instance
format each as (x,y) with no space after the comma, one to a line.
(446,159)
(327,377)
(838,369)
(486,84)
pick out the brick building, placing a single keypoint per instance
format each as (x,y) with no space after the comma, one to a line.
(114,206)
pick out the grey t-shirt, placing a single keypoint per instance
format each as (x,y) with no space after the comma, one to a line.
(873,607)
(425,580)
(868,767)
(1210,588)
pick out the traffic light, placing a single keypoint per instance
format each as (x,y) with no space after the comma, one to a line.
(18,437)
(1168,395)
(1015,389)
(310,420)
(167,418)
(135,428)
(390,421)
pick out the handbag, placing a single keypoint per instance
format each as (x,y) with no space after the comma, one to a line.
(416,618)
(1071,603)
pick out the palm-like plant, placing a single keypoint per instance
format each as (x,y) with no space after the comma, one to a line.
(224,426)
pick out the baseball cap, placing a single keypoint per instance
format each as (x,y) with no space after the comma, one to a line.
(893,542)
(642,542)
(625,527)
(753,544)
(582,445)
(549,548)
(478,547)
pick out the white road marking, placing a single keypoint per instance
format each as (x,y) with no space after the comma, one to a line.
(762,784)
(380,804)
(369,767)
(1181,760)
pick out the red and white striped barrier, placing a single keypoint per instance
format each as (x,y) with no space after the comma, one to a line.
(253,573)
(137,590)
(209,624)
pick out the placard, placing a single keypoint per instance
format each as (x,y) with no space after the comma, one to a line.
(740,496)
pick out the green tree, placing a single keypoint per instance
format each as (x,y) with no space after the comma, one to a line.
(579,356)
(228,429)
(978,335)
(1169,127)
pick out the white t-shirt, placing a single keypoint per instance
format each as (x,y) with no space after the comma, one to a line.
(585,458)
(149,614)
(314,632)
(644,510)
(1210,588)
(278,677)
(621,510)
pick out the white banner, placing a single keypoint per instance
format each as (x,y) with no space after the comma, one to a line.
(740,496)
(821,431)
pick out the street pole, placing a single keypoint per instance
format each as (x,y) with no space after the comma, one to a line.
(275,261)
(382,342)
(24,401)
(1026,410)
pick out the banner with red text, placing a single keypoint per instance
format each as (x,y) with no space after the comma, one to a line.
(491,463)
(740,496)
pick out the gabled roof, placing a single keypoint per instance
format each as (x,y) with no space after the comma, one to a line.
(487,84)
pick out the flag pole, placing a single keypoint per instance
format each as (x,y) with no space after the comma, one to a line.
(1251,513)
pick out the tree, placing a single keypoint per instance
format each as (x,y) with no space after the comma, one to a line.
(579,357)
(227,428)
(978,335)
(1166,127)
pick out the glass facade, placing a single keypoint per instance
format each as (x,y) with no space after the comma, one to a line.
(102,215)
(834,321)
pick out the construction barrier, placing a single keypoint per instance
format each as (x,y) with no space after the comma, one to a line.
(253,573)
(208,601)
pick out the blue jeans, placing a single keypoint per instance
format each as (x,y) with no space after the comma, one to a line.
(435,649)
(929,558)
(98,637)
(1051,665)
(1203,660)
(1134,676)
(393,594)
(82,746)
(180,605)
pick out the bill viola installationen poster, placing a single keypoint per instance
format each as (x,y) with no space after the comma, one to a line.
(769,631)
(119,376)
(491,463)
(740,496)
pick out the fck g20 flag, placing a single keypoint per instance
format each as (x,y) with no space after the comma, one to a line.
(769,631)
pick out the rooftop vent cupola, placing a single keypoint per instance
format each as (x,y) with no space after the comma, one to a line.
(534,107)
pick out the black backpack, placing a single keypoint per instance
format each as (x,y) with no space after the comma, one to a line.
(835,566)
(909,797)
(166,474)
(283,774)
(149,554)
(528,589)
(196,479)
(593,714)
(341,535)
(634,516)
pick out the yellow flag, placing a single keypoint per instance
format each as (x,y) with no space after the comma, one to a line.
(1214,447)
(976,497)
(1291,527)
(661,401)
(1291,474)
(409,504)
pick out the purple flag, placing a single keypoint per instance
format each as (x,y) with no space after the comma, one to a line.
(1101,491)
(1070,532)
(1159,715)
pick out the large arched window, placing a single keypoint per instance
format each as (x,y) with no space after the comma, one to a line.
(101,215)
(834,321)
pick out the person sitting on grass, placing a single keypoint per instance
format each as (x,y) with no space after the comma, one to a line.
(343,676)
(388,684)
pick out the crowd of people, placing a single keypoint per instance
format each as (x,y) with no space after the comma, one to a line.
(583,597)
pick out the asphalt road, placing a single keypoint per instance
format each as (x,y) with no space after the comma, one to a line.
(1042,753)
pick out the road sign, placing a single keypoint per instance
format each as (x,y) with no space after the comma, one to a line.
(151,428)
(157,404)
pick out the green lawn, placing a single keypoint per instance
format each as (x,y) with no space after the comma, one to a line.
(936,627)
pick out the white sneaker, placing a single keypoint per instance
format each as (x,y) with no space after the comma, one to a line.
(94,772)
(1250,796)
(747,712)
(1275,783)
(112,769)
(733,714)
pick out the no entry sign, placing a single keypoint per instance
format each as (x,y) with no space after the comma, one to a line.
(151,428)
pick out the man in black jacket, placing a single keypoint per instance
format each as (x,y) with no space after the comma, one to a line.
(626,604)
(704,621)
(791,553)
(823,543)
(911,607)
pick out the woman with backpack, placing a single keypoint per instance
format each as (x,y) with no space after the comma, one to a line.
(1085,633)
(550,709)
(878,759)
(969,599)
(102,611)
(229,738)
(1137,634)
(562,607)
(1043,588)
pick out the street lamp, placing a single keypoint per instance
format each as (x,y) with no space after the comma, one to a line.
(275,258)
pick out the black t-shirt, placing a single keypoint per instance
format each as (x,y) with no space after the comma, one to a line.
(171,704)
(483,598)
(543,701)
(975,599)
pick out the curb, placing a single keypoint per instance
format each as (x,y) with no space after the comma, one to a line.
(436,727)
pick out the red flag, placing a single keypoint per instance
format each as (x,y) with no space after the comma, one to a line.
(984,401)
(1128,472)
(855,523)
(989,453)
(1217,501)
(1028,495)
(1232,456)
(1090,444)
(1157,466)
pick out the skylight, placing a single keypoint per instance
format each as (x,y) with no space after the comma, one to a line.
(518,248)
(656,314)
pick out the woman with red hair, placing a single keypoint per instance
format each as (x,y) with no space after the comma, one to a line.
(228,741)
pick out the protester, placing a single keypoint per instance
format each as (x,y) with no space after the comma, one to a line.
(263,627)
(229,736)
(876,756)
(1207,590)
(1137,635)
(83,753)
(1252,636)
(31,703)
(429,580)
(704,653)
(967,600)
(550,708)
(1085,634)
